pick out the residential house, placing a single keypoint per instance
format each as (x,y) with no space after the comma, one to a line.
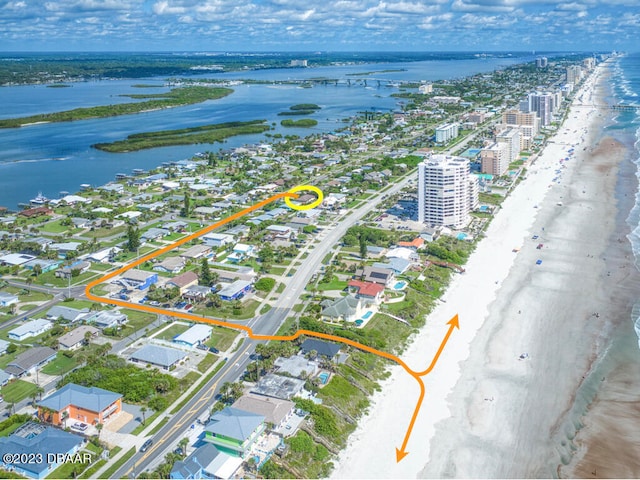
(170,265)
(234,431)
(183,281)
(64,248)
(7,299)
(3,346)
(196,293)
(297,366)
(347,308)
(30,360)
(206,462)
(164,357)
(240,252)
(383,276)
(154,234)
(79,266)
(45,265)
(395,264)
(279,232)
(278,386)
(198,334)
(33,439)
(13,259)
(217,240)
(76,338)
(67,314)
(75,403)
(241,273)
(103,256)
(415,244)
(369,292)
(107,319)
(275,411)
(30,329)
(322,348)
(197,252)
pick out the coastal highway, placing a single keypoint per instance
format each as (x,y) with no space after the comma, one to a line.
(267,324)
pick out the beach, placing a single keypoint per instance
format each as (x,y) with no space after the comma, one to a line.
(488,412)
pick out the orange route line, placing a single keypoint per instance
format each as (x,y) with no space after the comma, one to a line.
(400,453)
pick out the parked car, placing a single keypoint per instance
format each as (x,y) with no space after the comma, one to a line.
(214,350)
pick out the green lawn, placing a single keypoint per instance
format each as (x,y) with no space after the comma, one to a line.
(222,338)
(17,390)
(136,320)
(60,365)
(172,331)
(104,232)
(55,227)
(248,310)
(206,362)
(50,278)
(335,284)
(71,469)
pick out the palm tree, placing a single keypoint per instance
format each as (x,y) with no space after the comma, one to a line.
(99,427)
(183,445)
(143,410)
(10,407)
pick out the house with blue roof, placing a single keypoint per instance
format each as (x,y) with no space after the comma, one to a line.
(76,403)
(206,462)
(34,440)
(233,431)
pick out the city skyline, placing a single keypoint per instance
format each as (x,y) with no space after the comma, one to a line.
(336,25)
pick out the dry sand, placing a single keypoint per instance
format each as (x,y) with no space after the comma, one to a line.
(486,413)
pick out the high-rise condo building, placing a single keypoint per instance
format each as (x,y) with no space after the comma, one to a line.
(511,138)
(494,159)
(447,191)
(544,104)
(447,132)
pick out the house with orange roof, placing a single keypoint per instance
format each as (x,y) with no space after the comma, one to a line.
(415,244)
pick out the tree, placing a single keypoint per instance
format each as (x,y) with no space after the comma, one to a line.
(363,247)
(133,238)
(99,427)
(186,208)
(183,445)
(143,410)
(205,273)
(37,270)
(12,348)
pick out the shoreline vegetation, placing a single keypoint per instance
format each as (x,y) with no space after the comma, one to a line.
(301,109)
(303,122)
(185,136)
(176,97)
(389,70)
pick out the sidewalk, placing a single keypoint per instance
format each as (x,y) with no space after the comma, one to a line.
(126,441)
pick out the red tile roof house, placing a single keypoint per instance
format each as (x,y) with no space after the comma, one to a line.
(368,291)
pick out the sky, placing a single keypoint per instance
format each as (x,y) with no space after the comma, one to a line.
(325,25)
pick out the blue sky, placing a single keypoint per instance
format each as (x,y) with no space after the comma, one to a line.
(307,25)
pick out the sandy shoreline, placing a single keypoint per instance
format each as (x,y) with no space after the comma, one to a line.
(494,415)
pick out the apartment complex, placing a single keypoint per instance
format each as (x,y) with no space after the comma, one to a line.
(447,132)
(494,159)
(447,191)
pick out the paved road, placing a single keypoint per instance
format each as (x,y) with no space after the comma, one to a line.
(266,324)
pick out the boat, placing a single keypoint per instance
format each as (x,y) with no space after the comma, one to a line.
(39,200)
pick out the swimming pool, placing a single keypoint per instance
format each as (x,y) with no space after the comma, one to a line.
(400,285)
(324,376)
(367,315)
(461,236)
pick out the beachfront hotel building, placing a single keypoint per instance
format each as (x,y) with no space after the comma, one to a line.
(447,191)
(447,132)
(574,74)
(494,159)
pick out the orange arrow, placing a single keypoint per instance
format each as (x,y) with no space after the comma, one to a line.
(402,451)
(453,323)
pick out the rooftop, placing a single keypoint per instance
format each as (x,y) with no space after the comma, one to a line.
(93,399)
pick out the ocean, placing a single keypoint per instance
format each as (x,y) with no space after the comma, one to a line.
(51,158)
